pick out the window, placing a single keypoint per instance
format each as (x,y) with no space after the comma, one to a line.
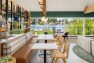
(89,26)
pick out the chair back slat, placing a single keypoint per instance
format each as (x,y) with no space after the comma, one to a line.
(66,48)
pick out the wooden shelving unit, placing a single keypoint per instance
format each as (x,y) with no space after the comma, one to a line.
(8,9)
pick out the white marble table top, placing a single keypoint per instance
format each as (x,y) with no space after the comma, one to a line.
(45,37)
(44,46)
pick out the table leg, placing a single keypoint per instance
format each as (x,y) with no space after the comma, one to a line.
(45,53)
(44,56)
(45,41)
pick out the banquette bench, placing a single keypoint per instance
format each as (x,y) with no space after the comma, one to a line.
(19,47)
(24,54)
(87,43)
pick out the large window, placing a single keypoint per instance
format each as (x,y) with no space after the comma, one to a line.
(75,26)
(53,25)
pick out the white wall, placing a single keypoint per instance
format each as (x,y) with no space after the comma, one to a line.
(56,5)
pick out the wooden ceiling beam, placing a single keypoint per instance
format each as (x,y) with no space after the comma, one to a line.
(44,8)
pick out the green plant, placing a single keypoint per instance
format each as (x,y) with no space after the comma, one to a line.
(89,26)
(5,59)
(33,21)
(75,27)
(15,25)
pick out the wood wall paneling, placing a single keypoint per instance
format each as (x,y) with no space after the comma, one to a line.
(6,10)
(0,7)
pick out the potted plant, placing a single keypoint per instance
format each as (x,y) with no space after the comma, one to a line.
(7,59)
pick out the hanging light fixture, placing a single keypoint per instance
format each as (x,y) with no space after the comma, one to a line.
(44,19)
(89,9)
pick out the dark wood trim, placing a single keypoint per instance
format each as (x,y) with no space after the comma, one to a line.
(44,8)
(1,49)
(20,17)
(11,15)
(0,7)
(91,46)
(20,13)
(11,11)
(6,10)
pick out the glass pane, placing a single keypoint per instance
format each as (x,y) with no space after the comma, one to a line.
(74,26)
(89,26)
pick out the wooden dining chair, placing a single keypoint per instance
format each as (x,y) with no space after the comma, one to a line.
(61,54)
(58,39)
(59,42)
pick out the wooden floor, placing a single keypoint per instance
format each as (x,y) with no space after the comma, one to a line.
(73,58)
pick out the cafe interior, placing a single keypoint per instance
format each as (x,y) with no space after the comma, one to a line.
(46,31)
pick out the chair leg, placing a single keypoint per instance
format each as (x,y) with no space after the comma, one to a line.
(56,60)
(52,60)
(64,60)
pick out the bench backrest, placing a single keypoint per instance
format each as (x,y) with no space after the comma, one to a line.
(93,47)
(84,43)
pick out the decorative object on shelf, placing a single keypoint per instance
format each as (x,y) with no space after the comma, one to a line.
(2,30)
(15,25)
